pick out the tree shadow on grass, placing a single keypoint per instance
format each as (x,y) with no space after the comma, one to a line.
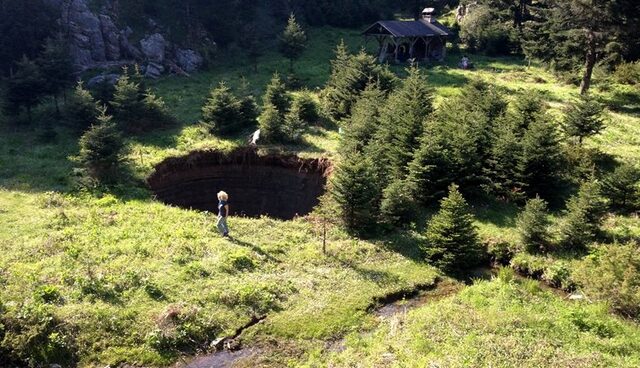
(254,248)
(378,276)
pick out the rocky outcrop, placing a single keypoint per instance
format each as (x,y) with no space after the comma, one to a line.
(96,42)
(188,60)
(153,47)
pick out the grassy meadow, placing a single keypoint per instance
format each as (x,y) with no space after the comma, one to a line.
(104,278)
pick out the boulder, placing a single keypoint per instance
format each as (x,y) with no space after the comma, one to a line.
(129,50)
(103,78)
(111,37)
(189,60)
(153,70)
(153,48)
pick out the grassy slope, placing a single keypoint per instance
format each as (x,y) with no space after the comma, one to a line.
(494,324)
(122,263)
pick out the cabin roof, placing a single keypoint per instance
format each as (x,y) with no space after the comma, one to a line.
(413,28)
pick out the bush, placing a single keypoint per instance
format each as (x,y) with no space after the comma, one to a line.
(226,113)
(501,251)
(102,149)
(558,275)
(533,225)
(482,31)
(612,274)
(627,73)
(451,237)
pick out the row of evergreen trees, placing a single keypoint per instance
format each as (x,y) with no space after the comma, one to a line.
(399,153)
(282,119)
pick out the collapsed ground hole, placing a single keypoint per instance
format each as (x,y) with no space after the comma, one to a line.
(276,185)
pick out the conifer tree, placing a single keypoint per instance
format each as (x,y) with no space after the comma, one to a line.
(502,170)
(622,187)
(307,106)
(127,103)
(271,123)
(582,218)
(226,113)
(584,118)
(293,41)
(541,158)
(56,66)
(353,188)
(527,108)
(25,88)
(81,110)
(102,149)
(276,94)
(399,205)
(433,167)
(533,225)
(402,124)
(363,123)
(293,123)
(451,237)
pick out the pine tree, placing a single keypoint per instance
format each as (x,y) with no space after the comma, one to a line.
(541,158)
(501,169)
(399,205)
(622,187)
(582,218)
(276,94)
(527,108)
(226,113)
(533,225)
(102,149)
(354,190)
(433,167)
(584,118)
(402,124)
(25,88)
(350,75)
(307,106)
(363,123)
(127,104)
(293,41)
(271,123)
(293,123)
(81,110)
(451,237)
(56,66)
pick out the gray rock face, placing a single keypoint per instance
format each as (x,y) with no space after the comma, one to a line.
(86,42)
(189,60)
(104,78)
(111,37)
(153,48)
(153,70)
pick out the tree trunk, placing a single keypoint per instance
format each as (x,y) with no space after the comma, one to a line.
(590,62)
(55,99)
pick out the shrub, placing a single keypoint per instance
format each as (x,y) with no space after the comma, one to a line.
(533,225)
(622,187)
(451,237)
(101,149)
(482,31)
(582,217)
(612,274)
(226,113)
(501,251)
(627,73)
(81,109)
(558,275)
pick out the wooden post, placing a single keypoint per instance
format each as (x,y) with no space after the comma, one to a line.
(395,54)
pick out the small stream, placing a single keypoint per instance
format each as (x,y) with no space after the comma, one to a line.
(384,308)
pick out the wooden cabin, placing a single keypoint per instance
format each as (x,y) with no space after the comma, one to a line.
(400,41)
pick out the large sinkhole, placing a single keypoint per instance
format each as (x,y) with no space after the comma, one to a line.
(275,185)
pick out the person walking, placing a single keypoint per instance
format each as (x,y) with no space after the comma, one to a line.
(223,213)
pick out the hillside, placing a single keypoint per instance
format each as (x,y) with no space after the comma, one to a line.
(107,275)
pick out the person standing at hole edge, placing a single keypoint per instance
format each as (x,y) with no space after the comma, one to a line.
(223,213)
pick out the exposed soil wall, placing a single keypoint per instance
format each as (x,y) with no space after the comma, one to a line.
(280,186)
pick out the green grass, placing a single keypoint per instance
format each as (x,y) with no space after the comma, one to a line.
(494,324)
(140,282)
